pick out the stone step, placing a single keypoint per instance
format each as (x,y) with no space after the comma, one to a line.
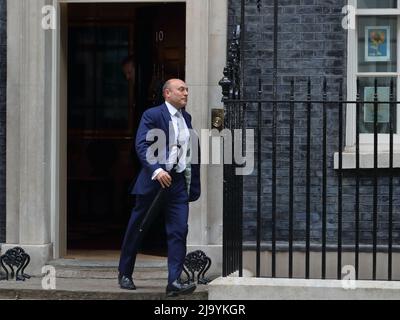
(97,280)
(26,294)
(90,289)
(87,273)
(88,269)
(104,264)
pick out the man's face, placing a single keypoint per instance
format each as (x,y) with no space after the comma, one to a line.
(128,71)
(177,94)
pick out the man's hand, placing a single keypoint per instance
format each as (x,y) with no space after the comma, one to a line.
(164,179)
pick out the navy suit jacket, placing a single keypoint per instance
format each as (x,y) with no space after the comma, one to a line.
(160,118)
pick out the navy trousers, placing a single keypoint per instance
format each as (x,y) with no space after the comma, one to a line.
(176,223)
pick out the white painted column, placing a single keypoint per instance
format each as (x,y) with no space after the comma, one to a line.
(206,39)
(197,15)
(217,62)
(28,137)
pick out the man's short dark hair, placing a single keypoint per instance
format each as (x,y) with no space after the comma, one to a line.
(166,85)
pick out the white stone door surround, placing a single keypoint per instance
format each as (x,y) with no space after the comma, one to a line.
(36,124)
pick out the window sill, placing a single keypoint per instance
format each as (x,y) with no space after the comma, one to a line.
(366,160)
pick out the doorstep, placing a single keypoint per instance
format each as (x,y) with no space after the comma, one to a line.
(78,279)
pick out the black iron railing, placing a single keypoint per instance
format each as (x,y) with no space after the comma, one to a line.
(374,228)
(332,111)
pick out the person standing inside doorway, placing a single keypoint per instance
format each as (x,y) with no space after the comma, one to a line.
(128,68)
(181,187)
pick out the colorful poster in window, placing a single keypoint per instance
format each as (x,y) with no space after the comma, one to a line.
(383,108)
(377,43)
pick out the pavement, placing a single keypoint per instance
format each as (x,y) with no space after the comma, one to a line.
(80,279)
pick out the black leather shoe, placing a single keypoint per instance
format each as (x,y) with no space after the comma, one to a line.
(126,283)
(177,288)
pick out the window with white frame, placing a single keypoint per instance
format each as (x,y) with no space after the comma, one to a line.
(373,51)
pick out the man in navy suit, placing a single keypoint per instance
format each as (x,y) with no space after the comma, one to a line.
(158,157)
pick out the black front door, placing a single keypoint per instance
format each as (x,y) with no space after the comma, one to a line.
(104,109)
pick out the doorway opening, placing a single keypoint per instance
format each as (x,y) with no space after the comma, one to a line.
(104,110)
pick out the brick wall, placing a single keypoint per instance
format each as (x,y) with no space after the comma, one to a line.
(3,65)
(312,43)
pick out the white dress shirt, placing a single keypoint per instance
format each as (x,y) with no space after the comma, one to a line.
(181,137)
